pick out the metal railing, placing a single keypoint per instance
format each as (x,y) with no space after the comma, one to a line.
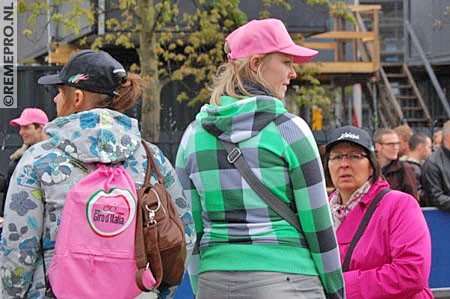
(429,69)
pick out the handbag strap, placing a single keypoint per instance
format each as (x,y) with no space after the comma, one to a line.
(235,157)
(140,254)
(362,226)
(151,166)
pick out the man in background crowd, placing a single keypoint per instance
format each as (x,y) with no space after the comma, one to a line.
(420,150)
(31,123)
(399,175)
(436,174)
(437,139)
(404,133)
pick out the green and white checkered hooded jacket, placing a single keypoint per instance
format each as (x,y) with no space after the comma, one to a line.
(236,229)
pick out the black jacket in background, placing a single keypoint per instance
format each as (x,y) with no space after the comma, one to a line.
(12,165)
(2,185)
(401,176)
(436,179)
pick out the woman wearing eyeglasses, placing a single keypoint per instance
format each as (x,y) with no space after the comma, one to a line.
(392,258)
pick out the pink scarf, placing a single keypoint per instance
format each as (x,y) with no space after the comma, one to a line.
(339,211)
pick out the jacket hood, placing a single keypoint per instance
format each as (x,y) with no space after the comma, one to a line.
(98,135)
(237,120)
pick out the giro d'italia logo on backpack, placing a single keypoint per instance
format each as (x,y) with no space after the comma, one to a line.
(110,213)
(95,252)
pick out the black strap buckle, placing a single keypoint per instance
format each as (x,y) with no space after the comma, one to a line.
(234,155)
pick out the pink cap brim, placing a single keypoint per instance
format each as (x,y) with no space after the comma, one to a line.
(301,54)
(19,122)
(25,122)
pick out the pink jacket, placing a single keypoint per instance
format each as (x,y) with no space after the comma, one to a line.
(393,257)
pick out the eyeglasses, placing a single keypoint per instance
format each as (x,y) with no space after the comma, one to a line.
(390,144)
(352,157)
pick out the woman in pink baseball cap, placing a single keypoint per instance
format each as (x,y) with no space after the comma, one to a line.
(247,249)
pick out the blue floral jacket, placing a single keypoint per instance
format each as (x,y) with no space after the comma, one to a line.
(45,174)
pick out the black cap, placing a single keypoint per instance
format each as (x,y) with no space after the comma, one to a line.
(94,71)
(350,134)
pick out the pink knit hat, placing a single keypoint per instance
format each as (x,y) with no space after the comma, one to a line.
(30,116)
(263,37)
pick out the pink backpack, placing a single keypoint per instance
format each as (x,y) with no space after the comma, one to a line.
(94,251)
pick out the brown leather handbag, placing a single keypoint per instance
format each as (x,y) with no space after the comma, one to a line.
(160,237)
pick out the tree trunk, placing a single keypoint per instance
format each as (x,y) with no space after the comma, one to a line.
(151,106)
(150,113)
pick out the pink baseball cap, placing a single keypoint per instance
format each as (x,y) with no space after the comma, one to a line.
(263,37)
(30,116)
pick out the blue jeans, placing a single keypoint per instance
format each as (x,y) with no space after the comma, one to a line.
(258,284)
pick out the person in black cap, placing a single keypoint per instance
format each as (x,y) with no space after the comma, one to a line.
(93,80)
(94,90)
(392,259)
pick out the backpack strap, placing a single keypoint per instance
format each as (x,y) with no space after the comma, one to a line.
(362,226)
(139,244)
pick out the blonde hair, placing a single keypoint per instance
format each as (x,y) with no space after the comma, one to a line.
(404,132)
(230,76)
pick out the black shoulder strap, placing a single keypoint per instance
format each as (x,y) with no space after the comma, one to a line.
(235,157)
(362,226)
